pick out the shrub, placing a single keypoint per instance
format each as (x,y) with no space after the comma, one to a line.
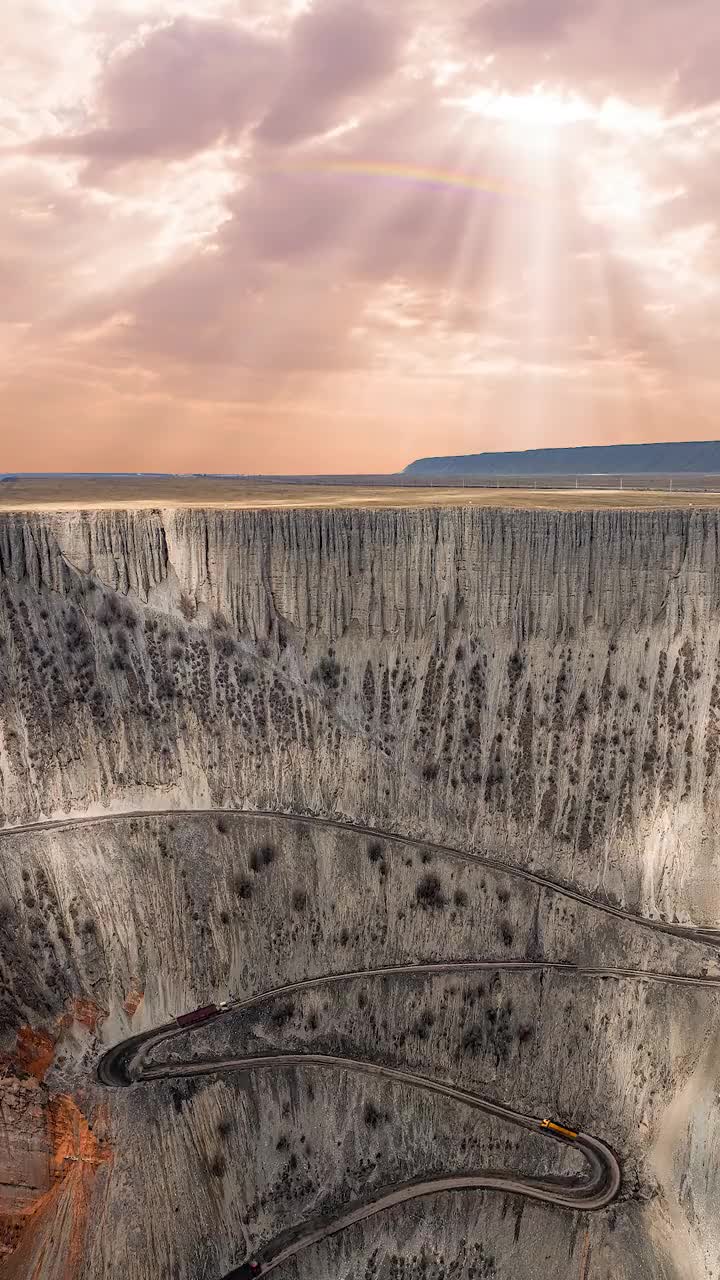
(243,887)
(113,611)
(327,672)
(107,612)
(282,1013)
(423,1024)
(372,1116)
(473,1040)
(515,666)
(429,893)
(261,857)
(165,689)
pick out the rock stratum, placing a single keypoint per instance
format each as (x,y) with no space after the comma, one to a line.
(231,744)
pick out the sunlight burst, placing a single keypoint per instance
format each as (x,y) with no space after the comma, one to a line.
(540,108)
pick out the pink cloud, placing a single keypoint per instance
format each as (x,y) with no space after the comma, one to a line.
(182,88)
(156,284)
(192,83)
(661,49)
(526,22)
(337,50)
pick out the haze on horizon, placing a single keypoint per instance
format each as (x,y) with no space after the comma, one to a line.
(288,237)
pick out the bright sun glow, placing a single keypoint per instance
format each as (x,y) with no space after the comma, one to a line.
(545,110)
(539,108)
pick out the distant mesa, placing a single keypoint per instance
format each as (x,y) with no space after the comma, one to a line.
(699,457)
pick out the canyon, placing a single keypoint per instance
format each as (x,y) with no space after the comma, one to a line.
(243,748)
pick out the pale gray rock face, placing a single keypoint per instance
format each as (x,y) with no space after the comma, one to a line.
(541,688)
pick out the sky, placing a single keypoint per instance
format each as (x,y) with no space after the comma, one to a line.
(296,236)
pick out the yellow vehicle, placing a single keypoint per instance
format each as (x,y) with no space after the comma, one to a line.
(559,1128)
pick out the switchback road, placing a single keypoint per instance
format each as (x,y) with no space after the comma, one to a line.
(127,1063)
(596,1191)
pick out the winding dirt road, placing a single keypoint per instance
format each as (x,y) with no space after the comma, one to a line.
(126,1063)
(706,934)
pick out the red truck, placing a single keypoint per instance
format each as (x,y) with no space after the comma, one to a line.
(203,1014)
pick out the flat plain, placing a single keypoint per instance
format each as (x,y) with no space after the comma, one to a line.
(115,493)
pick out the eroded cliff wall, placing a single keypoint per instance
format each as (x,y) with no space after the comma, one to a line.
(545,684)
(539,687)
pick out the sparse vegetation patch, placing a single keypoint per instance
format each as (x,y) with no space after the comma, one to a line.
(262,857)
(429,893)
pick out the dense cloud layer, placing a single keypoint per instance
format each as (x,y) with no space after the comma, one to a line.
(338,234)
